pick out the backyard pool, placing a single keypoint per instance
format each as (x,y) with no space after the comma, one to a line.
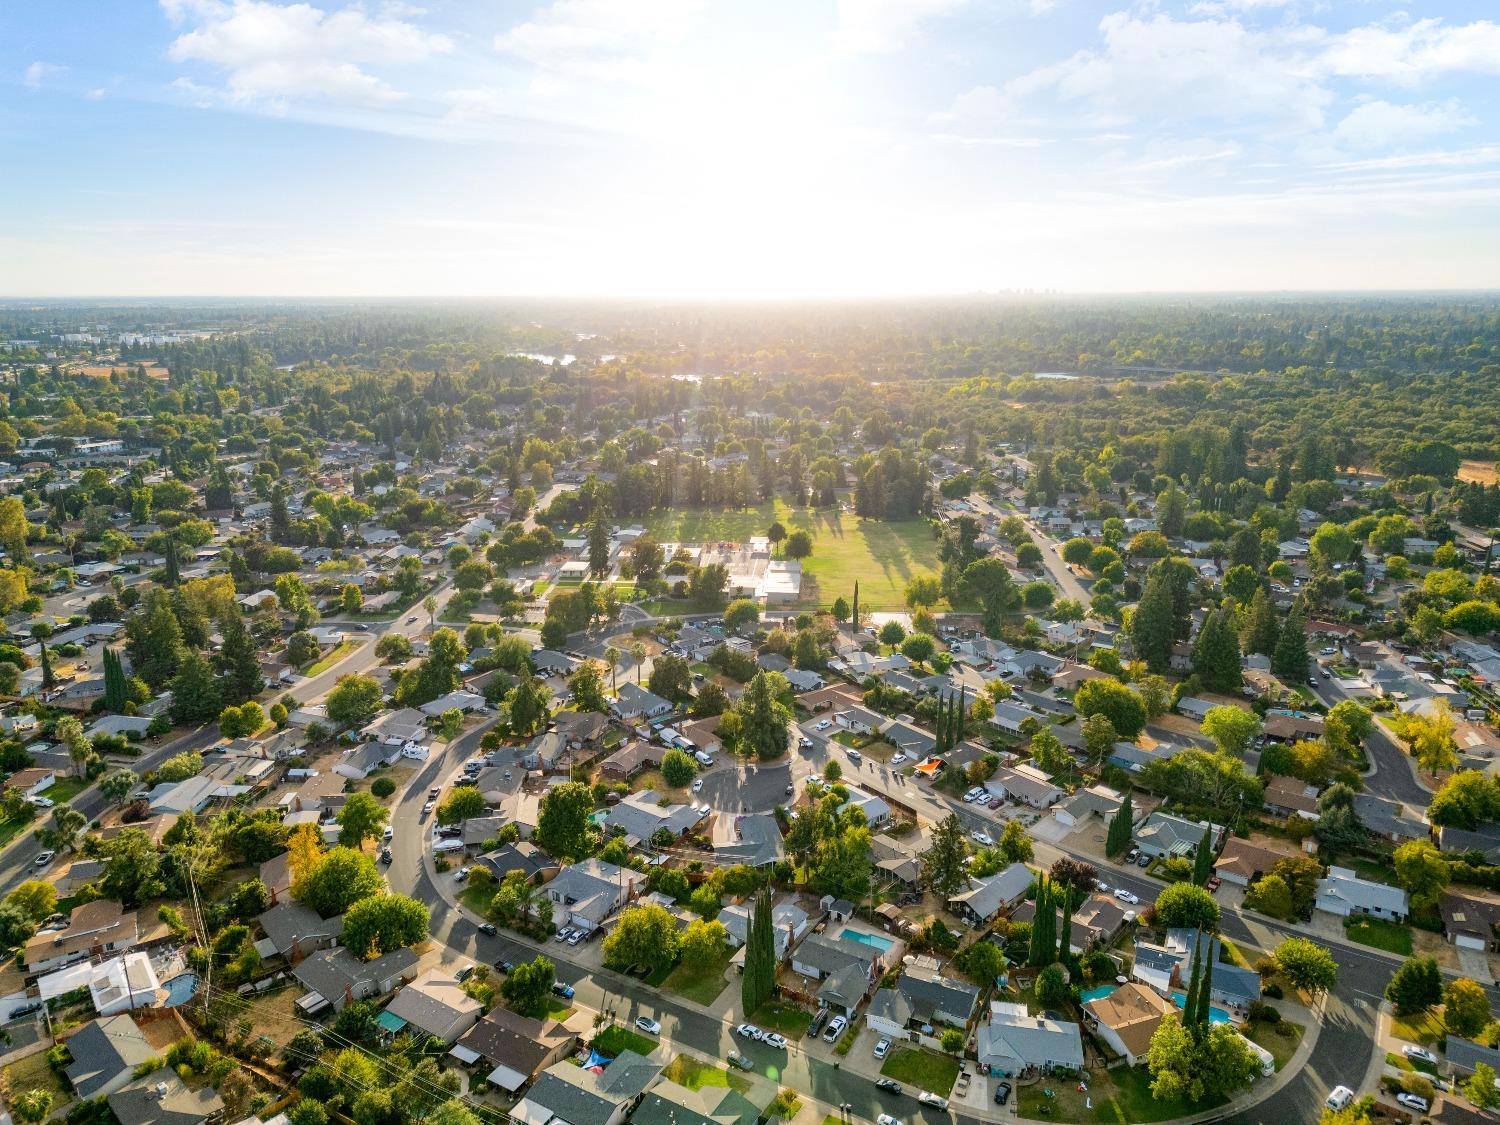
(180,990)
(874,941)
(1097,993)
(1215,1013)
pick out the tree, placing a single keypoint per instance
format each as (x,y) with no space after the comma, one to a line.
(758,981)
(1306,965)
(180,767)
(671,677)
(384,923)
(840,610)
(238,659)
(528,987)
(1290,659)
(1203,858)
(1416,986)
(132,865)
(195,691)
(924,590)
(1430,737)
(988,582)
(562,820)
(943,870)
(464,802)
(1048,751)
(33,1105)
(739,613)
(677,769)
(1121,828)
(1347,726)
(984,962)
(64,828)
(1270,895)
(918,648)
(116,687)
(1216,654)
(1198,1065)
(1231,728)
(1331,544)
(1183,905)
(1422,872)
(37,898)
(1480,1089)
(1466,1008)
(1043,947)
(1261,628)
(79,746)
(1076,551)
(1052,988)
(776,534)
(711,700)
(765,719)
(799,545)
(337,881)
(586,686)
(1152,629)
(360,819)
(1116,702)
(1015,845)
(1099,737)
(242,721)
(644,935)
(704,944)
(116,787)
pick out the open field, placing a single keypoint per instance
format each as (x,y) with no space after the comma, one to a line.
(1480,472)
(881,555)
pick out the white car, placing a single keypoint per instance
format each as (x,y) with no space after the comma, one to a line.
(882,1047)
(887,1119)
(648,1025)
(898,757)
(983,839)
(1413,1102)
(775,1039)
(698,785)
(937,1101)
(1126,896)
(750,1031)
(823,724)
(972,795)
(854,755)
(1420,1054)
(45,858)
(1102,887)
(41,802)
(834,1029)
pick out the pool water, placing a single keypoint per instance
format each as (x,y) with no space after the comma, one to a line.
(874,941)
(1097,993)
(1215,1014)
(180,990)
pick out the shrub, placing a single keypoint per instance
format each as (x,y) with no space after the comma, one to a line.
(383,787)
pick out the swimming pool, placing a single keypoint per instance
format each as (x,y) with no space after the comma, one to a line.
(180,990)
(1097,993)
(1215,1014)
(874,941)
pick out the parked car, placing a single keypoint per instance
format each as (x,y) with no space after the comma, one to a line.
(1214,883)
(886,1119)
(882,1047)
(738,1060)
(1132,855)
(775,1039)
(386,857)
(563,990)
(697,785)
(820,1017)
(41,802)
(1126,896)
(1101,886)
(854,755)
(489,929)
(428,807)
(898,757)
(937,1101)
(823,724)
(983,839)
(45,858)
(750,1031)
(505,966)
(1413,1102)
(834,1029)
(1143,860)
(1002,1093)
(464,973)
(433,792)
(1339,1097)
(889,1085)
(648,1025)
(1419,1054)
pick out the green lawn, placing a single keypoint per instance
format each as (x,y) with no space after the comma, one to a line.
(699,985)
(612,1040)
(34,1073)
(65,789)
(1426,1027)
(1119,1096)
(883,555)
(926,1069)
(690,1072)
(1280,1039)
(337,654)
(10,829)
(558,1008)
(789,1019)
(1380,934)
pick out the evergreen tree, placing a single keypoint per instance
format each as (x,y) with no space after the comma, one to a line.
(1151,629)
(237,662)
(1065,923)
(1203,859)
(1261,629)
(1190,1001)
(854,613)
(1290,661)
(598,544)
(1216,654)
(758,980)
(1120,828)
(1043,928)
(41,631)
(943,868)
(174,564)
(195,691)
(116,690)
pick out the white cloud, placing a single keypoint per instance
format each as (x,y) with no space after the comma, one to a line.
(272,52)
(1415,52)
(39,73)
(884,26)
(602,40)
(1380,124)
(1172,70)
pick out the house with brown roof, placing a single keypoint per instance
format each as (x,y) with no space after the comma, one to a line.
(1469,919)
(1127,1018)
(94,929)
(1282,727)
(1286,796)
(515,1047)
(630,759)
(155,827)
(1242,862)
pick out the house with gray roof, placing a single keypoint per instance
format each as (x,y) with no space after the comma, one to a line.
(635,702)
(575,1095)
(1485,840)
(908,737)
(790,922)
(295,931)
(161,1098)
(584,894)
(335,977)
(669,1103)
(1166,835)
(921,999)
(1389,819)
(753,839)
(985,899)
(1463,1055)
(859,720)
(1024,784)
(523,856)
(517,1047)
(1014,1041)
(1344,893)
(642,814)
(105,1053)
(846,970)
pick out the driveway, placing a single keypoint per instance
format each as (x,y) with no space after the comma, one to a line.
(1475,964)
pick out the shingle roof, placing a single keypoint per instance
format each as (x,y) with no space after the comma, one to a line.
(102,1050)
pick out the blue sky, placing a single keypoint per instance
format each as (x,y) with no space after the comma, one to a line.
(721,148)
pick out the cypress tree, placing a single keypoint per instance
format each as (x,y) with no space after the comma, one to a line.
(1120,827)
(1203,859)
(759,978)
(1205,986)
(1190,1001)
(1065,923)
(174,566)
(115,689)
(1040,951)
(854,616)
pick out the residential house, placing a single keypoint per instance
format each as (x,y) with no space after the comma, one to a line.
(921,1000)
(1165,835)
(908,738)
(294,931)
(1469,919)
(876,811)
(31,782)
(517,1047)
(703,735)
(1344,893)
(752,839)
(1096,800)
(584,894)
(670,1103)
(1024,784)
(522,856)
(398,727)
(576,1095)
(580,728)
(634,702)
(844,968)
(859,720)
(434,1003)
(1389,819)
(1462,1055)
(641,815)
(364,760)
(1290,726)
(1286,797)
(635,755)
(105,1053)
(162,1098)
(1013,1042)
(546,751)
(1097,921)
(121,984)
(1485,841)
(789,920)
(335,977)
(1243,862)
(1127,1018)
(94,929)
(985,899)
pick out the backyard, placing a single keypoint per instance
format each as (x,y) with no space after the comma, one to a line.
(1116,1096)
(925,1069)
(1379,933)
(882,555)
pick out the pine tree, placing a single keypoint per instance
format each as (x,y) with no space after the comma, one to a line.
(237,663)
(1151,629)
(174,565)
(1203,859)
(1289,661)
(116,691)
(1261,630)
(854,614)
(195,691)
(1120,828)
(1216,654)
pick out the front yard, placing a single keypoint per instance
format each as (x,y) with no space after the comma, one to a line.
(694,1074)
(1425,1027)
(612,1040)
(791,1020)
(1380,934)
(701,985)
(926,1070)
(1117,1096)
(34,1073)
(1280,1039)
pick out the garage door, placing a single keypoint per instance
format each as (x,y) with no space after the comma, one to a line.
(1469,941)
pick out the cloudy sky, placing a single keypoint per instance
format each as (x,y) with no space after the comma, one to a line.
(746,147)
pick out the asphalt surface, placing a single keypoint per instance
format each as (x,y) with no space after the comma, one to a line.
(1392,775)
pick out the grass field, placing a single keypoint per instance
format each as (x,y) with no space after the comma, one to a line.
(1119,1096)
(1379,934)
(925,1069)
(700,985)
(882,555)
(333,657)
(690,1072)
(791,1020)
(1425,1027)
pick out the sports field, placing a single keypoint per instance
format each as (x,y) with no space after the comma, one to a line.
(882,555)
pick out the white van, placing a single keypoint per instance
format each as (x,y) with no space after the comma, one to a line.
(703,759)
(1267,1060)
(1339,1098)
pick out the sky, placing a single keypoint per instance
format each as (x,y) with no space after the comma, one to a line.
(746,148)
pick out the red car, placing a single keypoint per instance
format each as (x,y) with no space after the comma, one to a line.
(1213,882)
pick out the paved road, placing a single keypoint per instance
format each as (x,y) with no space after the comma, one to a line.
(1392,775)
(1064,579)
